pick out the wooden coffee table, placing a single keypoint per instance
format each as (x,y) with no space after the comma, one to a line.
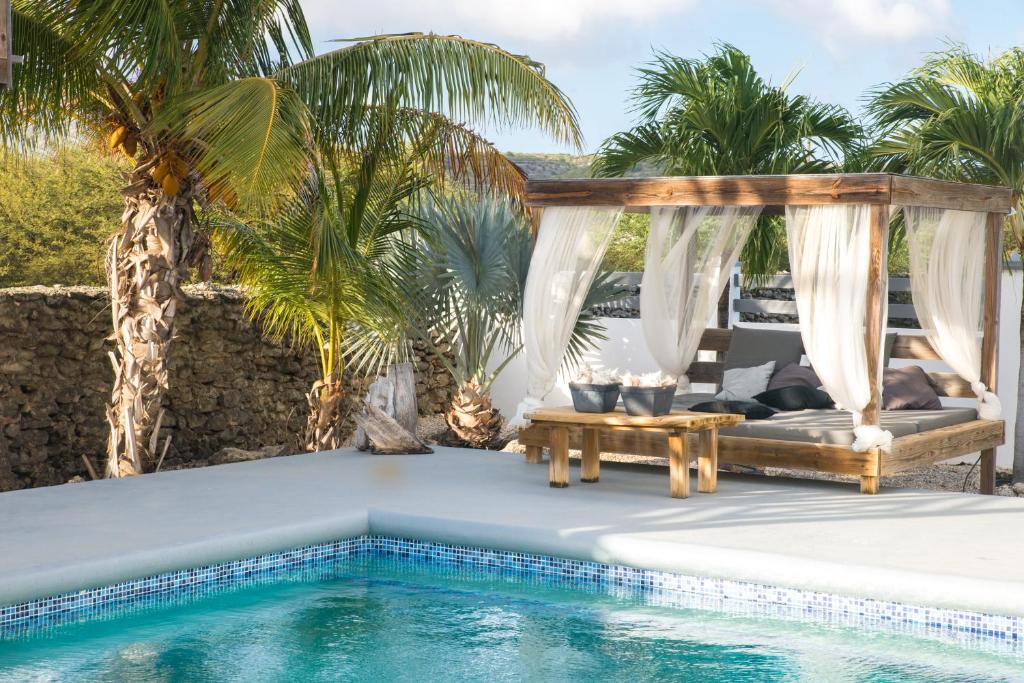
(675,426)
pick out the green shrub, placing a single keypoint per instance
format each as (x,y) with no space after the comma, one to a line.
(57,210)
(626,249)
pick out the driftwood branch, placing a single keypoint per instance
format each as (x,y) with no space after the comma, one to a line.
(385,435)
(388,423)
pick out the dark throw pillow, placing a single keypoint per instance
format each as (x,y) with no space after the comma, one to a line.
(750,410)
(794,375)
(751,346)
(908,388)
(795,397)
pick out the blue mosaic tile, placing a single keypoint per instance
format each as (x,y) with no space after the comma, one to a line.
(656,588)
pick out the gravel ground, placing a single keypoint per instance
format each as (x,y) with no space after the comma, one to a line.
(960,477)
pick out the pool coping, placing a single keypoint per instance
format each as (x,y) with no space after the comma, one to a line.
(657,588)
(186,519)
(936,591)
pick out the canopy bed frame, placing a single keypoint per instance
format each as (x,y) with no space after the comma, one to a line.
(879,194)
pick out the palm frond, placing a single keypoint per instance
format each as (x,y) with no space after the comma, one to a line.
(252,134)
(465,80)
(56,86)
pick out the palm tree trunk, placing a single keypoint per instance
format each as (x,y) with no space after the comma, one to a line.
(326,426)
(146,264)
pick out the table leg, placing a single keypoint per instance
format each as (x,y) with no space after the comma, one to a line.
(591,468)
(534,454)
(558,468)
(707,461)
(678,465)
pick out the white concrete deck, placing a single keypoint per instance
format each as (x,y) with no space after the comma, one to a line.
(918,547)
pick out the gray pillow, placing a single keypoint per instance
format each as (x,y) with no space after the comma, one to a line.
(742,384)
(908,388)
(751,346)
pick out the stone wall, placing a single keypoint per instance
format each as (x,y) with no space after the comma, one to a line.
(229,385)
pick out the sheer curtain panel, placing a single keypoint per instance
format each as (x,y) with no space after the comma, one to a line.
(690,254)
(829,247)
(570,245)
(947,280)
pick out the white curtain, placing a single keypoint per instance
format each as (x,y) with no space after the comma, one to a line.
(947,279)
(828,257)
(691,251)
(570,246)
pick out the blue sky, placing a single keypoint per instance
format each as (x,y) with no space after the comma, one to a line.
(841,48)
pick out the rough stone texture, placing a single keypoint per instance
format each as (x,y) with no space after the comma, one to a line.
(787,294)
(230,387)
(629,306)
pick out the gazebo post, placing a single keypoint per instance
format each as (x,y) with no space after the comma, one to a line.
(874,325)
(990,332)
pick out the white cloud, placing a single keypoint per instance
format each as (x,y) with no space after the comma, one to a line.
(839,22)
(532,20)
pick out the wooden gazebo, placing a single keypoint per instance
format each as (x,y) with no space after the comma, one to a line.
(880,191)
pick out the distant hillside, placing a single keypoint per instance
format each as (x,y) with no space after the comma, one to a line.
(540,166)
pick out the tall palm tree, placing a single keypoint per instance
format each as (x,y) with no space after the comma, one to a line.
(225,103)
(960,116)
(718,116)
(467,287)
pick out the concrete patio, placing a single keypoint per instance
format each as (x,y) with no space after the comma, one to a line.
(919,547)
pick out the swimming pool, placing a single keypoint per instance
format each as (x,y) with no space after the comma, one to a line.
(385,616)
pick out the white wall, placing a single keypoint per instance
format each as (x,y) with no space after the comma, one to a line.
(625,349)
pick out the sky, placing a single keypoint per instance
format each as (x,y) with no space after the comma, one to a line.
(838,49)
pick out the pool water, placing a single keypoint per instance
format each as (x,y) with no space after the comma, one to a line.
(380,621)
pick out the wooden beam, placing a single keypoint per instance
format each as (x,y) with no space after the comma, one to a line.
(706,372)
(915,347)
(874,325)
(6,47)
(990,332)
(951,384)
(536,213)
(936,445)
(858,188)
(768,191)
(678,465)
(943,194)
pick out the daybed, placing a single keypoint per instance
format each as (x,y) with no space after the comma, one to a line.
(819,440)
(851,247)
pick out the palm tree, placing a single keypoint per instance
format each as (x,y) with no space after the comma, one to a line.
(467,288)
(717,116)
(321,272)
(223,104)
(959,116)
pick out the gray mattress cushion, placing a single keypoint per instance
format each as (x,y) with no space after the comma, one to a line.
(832,426)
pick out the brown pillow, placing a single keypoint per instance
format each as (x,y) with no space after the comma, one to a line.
(908,388)
(794,375)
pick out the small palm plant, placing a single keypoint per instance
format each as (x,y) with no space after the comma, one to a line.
(321,273)
(468,291)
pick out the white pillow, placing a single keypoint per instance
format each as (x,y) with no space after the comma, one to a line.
(743,384)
